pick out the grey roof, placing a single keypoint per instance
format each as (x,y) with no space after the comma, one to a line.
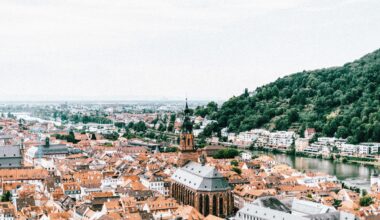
(54,149)
(303,207)
(273,214)
(333,216)
(200,177)
(9,151)
(80,210)
(5,137)
(265,213)
(272,203)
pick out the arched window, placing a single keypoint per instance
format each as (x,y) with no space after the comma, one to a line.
(214,205)
(221,206)
(174,191)
(207,205)
(200,201)
(192,198)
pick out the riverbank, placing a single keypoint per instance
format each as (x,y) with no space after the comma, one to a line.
(351,174)
(336,158)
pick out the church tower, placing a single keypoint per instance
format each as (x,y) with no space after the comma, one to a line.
(187,137)
(187,150)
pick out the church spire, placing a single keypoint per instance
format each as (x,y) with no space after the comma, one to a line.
(187,110)
(187,126)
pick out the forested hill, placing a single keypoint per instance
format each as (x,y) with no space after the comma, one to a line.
(340,101)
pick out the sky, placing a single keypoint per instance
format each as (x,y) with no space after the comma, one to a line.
(172,49)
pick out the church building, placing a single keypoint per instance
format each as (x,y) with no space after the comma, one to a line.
(197,184)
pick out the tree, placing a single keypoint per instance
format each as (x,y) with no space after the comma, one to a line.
(342,132)
(128,135)
(236,170)
(171,127)
(139,126)
(246,93)
(234,163)
(210,129)
(162,127)
(120,124)
(364,192)
(340,101)
(344,160)
(292,115)
(337,203)
(365,201)
(71,137)
(6,197)
(112,136)
(47,142)
(171,149)
(226,153)
(130,125)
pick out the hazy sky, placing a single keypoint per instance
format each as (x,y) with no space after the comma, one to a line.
(169,49)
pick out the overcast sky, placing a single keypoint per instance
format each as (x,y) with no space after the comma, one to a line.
(169,49)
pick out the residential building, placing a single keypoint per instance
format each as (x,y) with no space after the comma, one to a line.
(281,139)
(246,155)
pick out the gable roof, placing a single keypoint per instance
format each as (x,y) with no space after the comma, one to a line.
(9,151)
(200,177)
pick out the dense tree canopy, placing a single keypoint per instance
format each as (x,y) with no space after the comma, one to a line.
(226,153)
(80,118)
(340,101)
(365,201)
(69,138)
(209,110)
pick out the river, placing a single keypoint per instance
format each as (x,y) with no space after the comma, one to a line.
(351,174)
(27,117)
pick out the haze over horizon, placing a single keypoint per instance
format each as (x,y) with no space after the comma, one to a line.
(169,50)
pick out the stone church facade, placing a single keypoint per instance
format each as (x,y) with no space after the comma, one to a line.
(203,188)
(197,184)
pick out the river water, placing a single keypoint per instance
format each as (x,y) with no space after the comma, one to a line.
(27,117)
(351,174)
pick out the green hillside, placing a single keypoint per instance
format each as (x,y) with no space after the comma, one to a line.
(340,101)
